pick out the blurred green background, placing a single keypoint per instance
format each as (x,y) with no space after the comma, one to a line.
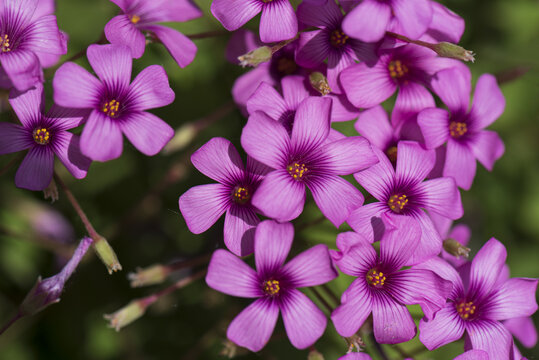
(133,202)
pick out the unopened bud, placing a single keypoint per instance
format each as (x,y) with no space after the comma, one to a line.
(255,57)
(453,51)
(315,355)
(182,137)
(107,255)
(151,275)
(51,192)
(126,315)
(455,248)
(319,82)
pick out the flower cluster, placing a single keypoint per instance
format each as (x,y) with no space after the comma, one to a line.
(401,250)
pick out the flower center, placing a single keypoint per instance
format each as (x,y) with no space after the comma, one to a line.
(457,129)
(376,278)
(392,154)
(134,18)
(286,66)
(271,287)
(4,43)
(41,136)
(397,69)
(297,170)
(241,194)
(338,38)
(111,108)
(397,203)
(466,309)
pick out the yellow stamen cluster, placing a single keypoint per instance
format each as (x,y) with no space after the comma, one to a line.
(338,38)
(286,66)
(465,309)
(397,69)
(111,108)
(134,18)
(4,43)
(271,287)
(296,170)
(457,129)
(376,278)
(41,136)
(392,154)
(397,203)
(241,194)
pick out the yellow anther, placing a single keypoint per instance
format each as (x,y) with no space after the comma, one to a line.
(457,129)
(397,69)
(465,309)
(271,287)
(134,18)
(338,38)
(111,108)
(376,278)
(4,43)
(241,194)
(41,136)
(397,203)
(297,171)
(392,154)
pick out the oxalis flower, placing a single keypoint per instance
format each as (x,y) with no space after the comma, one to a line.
(26,41)
(381,287)
(478,302)
(202,205)
(274,286)
(116,105)
(305,159)
(45,135)
(464,129)
(141,16)
(403,192)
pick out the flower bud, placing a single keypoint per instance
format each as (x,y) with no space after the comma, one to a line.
(450,50)
(126,315)
(151,275)
(51,192)
(455,248)
(107,255)
(319,82)
(255,57)
(182,137)
(315,355)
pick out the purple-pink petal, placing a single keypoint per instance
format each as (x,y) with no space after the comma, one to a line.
(235,13)
(445,24)
(313,48)
(453,86)
(150,89)
(487,147)
(219,160)
(311,124)
(253,327)
(22,67)
(349,155)
(379,178)
(488,102)
(411,99)
(303,321)
(294,91)
(310,268)
(367,21)
(441,196)
(431,242)
(121,31)
(356,306)
(278,21)
(101,138)
(486,267)
(239,229)
(35,172)
(523,329)
(414,17)
(490,336)
(14,138)
(75,87)
(67,148)
(182,49)
(272,245)
(230,275)
(366,221)
(202,205)
(112,64)
(391,321)
(413,162)
(515,298)
(473,355)
(434,125)
(148,133)
(443,269)
(446,327)
(267,100)
(355,256)
(460,163)
(374,125)
(401,237)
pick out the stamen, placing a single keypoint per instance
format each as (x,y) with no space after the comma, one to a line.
(465,309)
(4,43)
(286,66)
(392,154)
(241,194)
(41,136)
(111,108)
(397,203)
(134,18)
(457,129)
(376,278)
(297,170)
(397,69)
(338,38)
(271,287)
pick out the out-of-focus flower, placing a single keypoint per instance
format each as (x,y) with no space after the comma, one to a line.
(117,106)
(45,135)
(303,159)
(274,285)
(202,205)
(463,129)
(141,16)
(478,304)
(381,287)
(402,191)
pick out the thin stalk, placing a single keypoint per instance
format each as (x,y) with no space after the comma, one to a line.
(13,161)
(178,265)
(10,322)
(148,300)
(208,34)
(379,348)
(331,294)
(322,300)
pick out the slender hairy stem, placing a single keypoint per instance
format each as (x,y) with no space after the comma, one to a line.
(410,41)
(208,34)
(10,322)
(379,348)
(148,300)
(402,352)
(321,299)
(331,294)
(200,260)
(11,163)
